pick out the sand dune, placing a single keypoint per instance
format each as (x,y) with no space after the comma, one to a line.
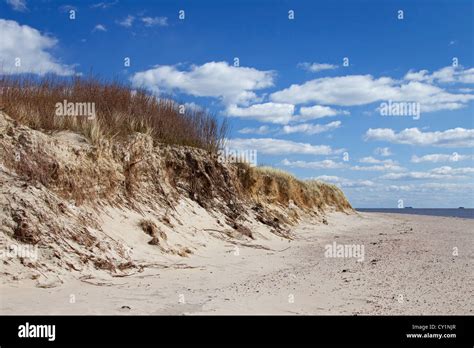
(133,203)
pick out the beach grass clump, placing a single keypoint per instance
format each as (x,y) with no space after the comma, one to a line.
(118,111)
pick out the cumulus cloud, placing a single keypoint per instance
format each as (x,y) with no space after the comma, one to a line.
(436,173)
(307,128)
(267,112)
(304,128)
(325,164)
(378,165)
(343,182)
(31,47)
(382,167)
(446,186)
(258,130)
(318,111)
(429,187)
(372,160)
(341,90)
(412,176)
(315,67)
(352,90)
(438,157)
(447,74)
(234,85)
(237,87)
(271,146)
(18,5)
(456,137)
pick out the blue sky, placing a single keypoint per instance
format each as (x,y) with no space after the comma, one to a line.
(291,97)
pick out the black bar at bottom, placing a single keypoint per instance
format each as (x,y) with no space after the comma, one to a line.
(223,330)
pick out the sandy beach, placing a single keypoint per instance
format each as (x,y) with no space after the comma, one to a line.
(410,265)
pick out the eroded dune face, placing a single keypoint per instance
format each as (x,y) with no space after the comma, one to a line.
(119,205)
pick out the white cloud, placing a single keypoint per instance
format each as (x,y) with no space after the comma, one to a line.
(446,170)
(447,74)
(267,112)
(271,146)
(325,164)
(259,130)
(411,175)
(287,129)
(354,90)
(378,165)
(436,173)
(18,5)
(318,111)
(341,90)
(30,46)
(343,182)
(438,157)
(234,85)
(383,151)
(237,86)
(99,27)
(372,160)
(127,21)
(421,75)
(429,187)
(315,67)
(430,97)
(456,137)
(445,186)
(307,128)
(383,167)
(327,178)
(155,21)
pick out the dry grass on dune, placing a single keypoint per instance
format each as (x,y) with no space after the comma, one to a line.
(330,193)
(277,186)
(120,111)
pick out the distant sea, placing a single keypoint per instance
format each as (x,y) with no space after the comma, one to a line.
(466,213)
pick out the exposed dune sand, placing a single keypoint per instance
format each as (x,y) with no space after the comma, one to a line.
(121,206)
(409,266)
